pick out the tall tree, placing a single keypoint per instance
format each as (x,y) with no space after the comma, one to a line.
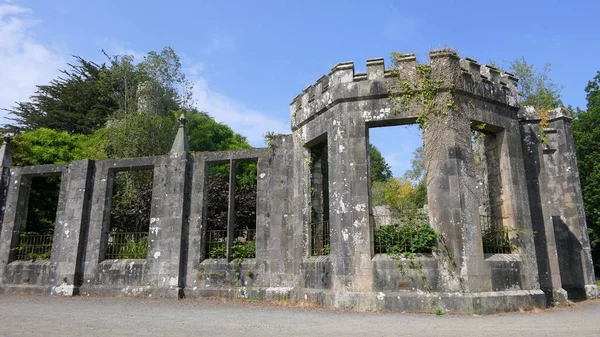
(74,102)
(380,169)
(586,131)
(535,86)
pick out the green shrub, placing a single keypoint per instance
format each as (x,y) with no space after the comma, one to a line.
(134,250)
(240,250)
(412,235)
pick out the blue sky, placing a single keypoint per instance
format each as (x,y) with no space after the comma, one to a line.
(249,59)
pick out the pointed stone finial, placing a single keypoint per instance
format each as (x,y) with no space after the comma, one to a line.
(5,156)
(181,143)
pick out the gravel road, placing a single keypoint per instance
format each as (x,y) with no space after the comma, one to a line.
(106,316)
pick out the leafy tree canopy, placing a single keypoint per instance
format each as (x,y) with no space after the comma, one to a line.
(586,131)
(380,169)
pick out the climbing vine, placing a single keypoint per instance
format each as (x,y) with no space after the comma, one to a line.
(423,93)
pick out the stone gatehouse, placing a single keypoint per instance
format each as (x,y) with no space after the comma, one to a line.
(529,175)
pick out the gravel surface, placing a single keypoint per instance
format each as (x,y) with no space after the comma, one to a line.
(106,316)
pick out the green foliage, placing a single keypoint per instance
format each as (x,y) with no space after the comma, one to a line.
(243,250)
(31,251)
(586,131)
(156,85)
(439,312)
(409,192)
(412,235)
(46,146)
(326,250)
(378,193)
(74,102)
(536,88)
(139,134)
(417,170)
(123,109)
(380,169)
(218,251)
(424,92)
(205,134)
(134,250)
(239,250)
(42,204)
(131,201)
(497,240)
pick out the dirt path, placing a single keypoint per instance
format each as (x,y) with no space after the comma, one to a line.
(55,316)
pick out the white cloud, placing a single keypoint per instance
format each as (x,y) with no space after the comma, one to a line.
(241,119)
(219,42)
(24,61)
(400,29)
(114,46)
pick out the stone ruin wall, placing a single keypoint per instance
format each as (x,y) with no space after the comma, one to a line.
(533,185)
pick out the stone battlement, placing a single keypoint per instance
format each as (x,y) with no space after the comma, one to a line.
(343,83)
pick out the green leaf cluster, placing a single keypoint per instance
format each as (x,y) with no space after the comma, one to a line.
(380,169)
(123,108)
(412,234)
(586,132)
(134,250)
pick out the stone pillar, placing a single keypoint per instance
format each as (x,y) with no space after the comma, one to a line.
(195,244)
(71,225)
(351,233)
(515,203)
(5,163)
(99,221)
(573,246)
(169,223)
(231,210)
(540,206)
(262,218)
(278,229)
(15,216)
(453,205)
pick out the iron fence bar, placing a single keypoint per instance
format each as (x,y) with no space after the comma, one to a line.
(34,247)
(127,245)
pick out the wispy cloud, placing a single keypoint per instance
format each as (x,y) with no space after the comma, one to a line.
(219,42)
(26,62)
(400,28)
(114,46)
(242,119)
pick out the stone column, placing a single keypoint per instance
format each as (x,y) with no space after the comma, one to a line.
(351,239)
(451,195)
(574,252)
(515,205)
(72,225)
(231,210)
(99,221)
(15,216)
(278,227)
(540,206)
(5,163)
(169,223)
(195,244)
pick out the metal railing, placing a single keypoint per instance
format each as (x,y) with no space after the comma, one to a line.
(408,232)
(33,247)
(244,243)
(216,243)
(495,235)
(319,238)
(127,245)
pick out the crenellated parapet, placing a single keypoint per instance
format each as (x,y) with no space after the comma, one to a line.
(464,76)
(488,82)
(342,83)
